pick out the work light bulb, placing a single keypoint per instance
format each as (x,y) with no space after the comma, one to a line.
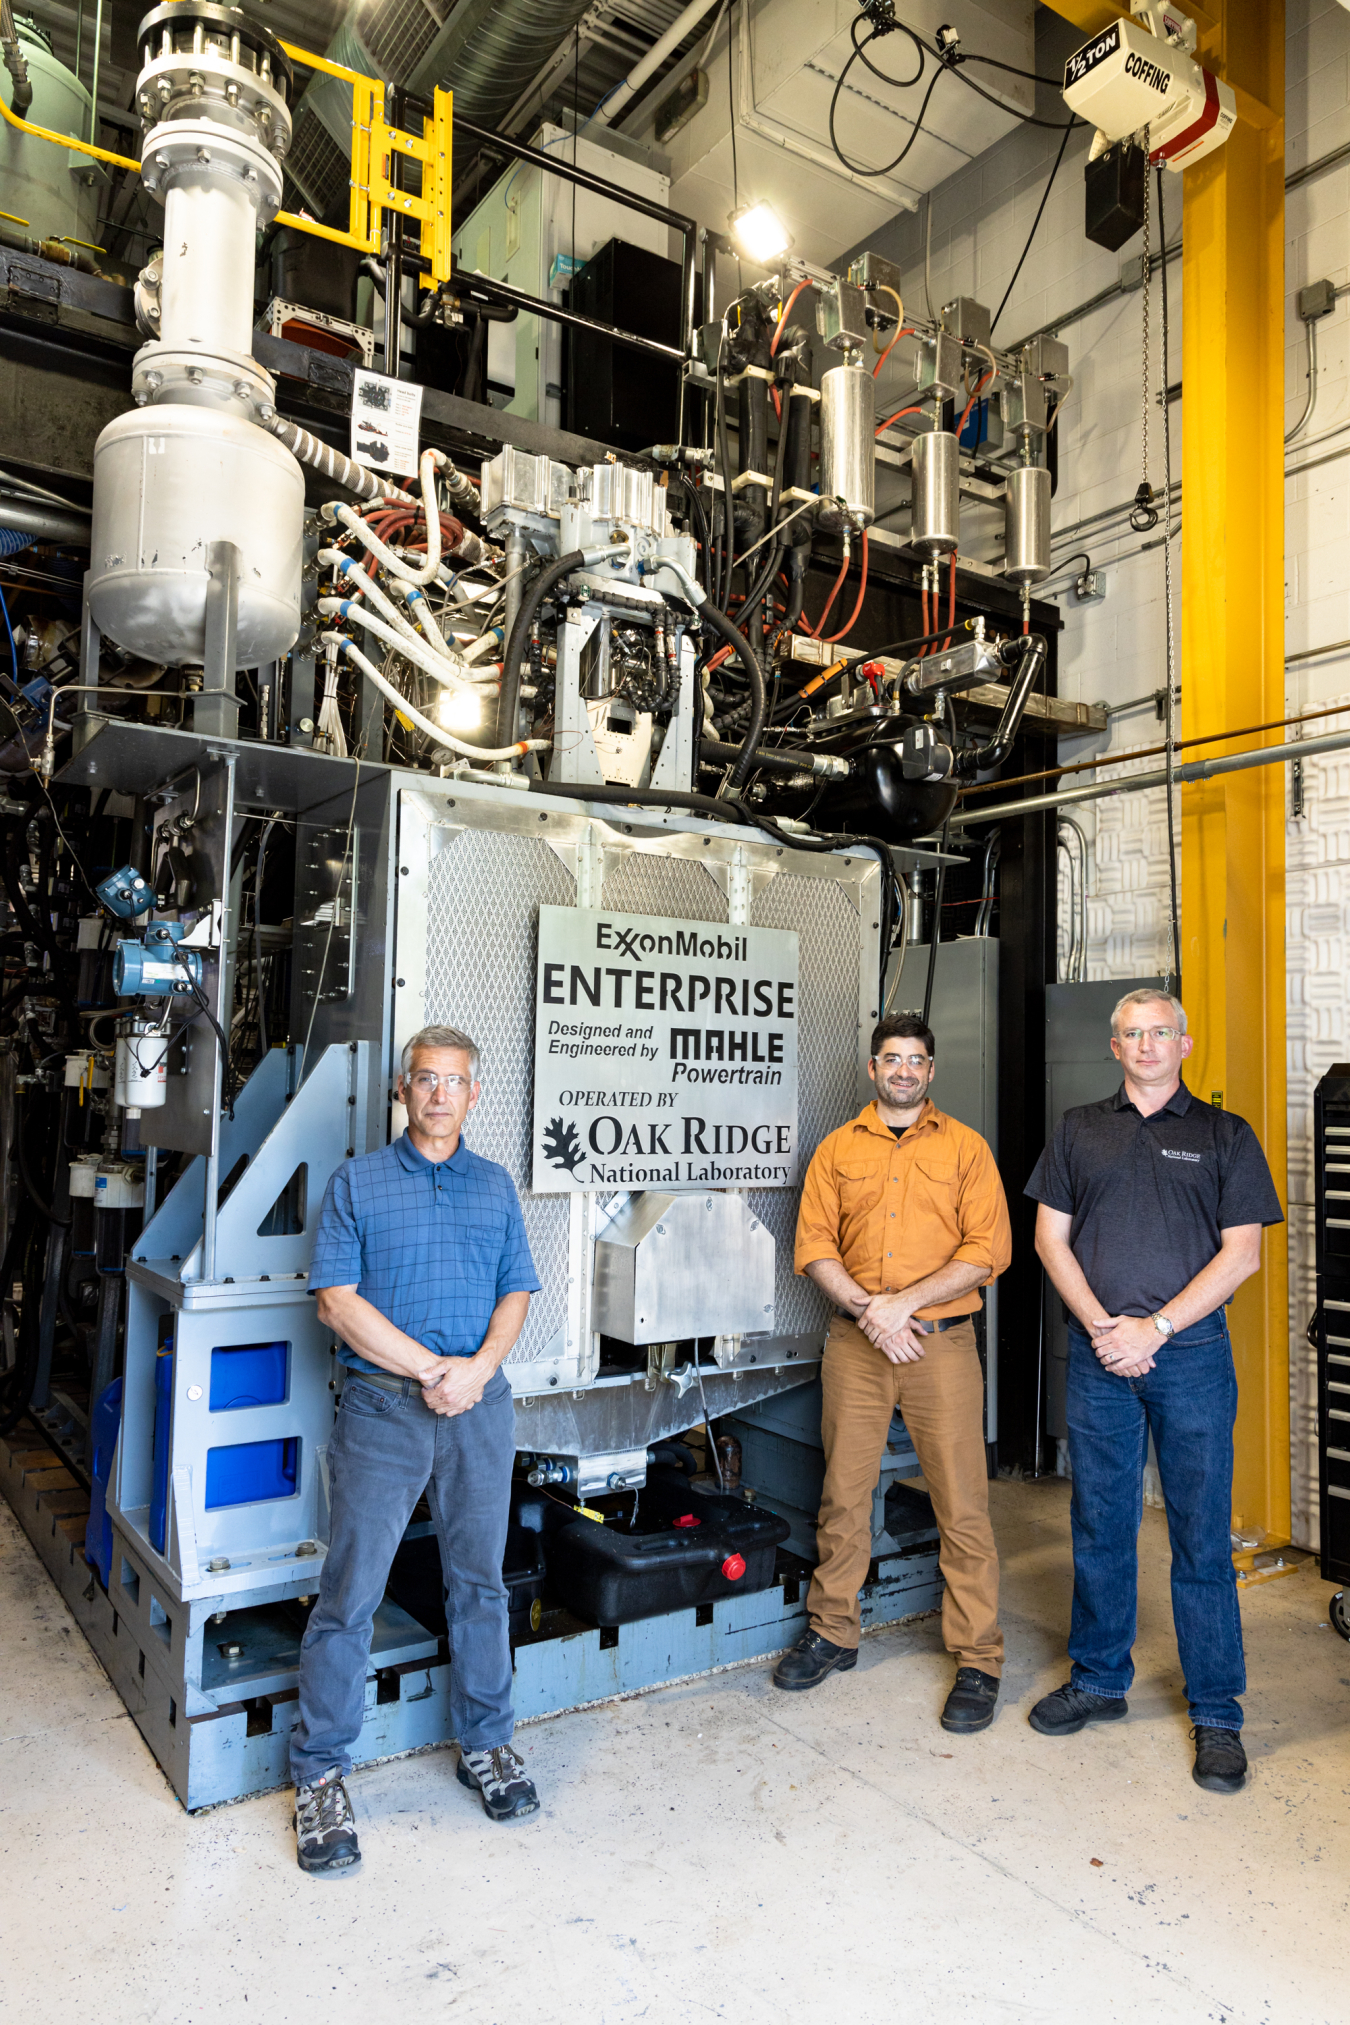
(760,234)
(459,710)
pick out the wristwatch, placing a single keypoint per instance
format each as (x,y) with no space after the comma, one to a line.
(1163,1326)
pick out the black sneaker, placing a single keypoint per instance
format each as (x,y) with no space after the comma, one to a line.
(1220,1761)
(500,1778)
(970,1705)
(811,1660)
(325,1828)
(1070,1708)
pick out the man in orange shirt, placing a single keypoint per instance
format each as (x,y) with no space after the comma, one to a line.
(902,1218)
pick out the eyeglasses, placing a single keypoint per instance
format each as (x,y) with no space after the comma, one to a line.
(901,1061)
(426,1084)
(1150,1033)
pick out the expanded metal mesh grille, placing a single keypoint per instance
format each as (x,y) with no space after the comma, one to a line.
(484,893)
(827,922)
(397,36)
(316,166)
(675,887)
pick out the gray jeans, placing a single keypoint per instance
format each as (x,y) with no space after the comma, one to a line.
(386,1450)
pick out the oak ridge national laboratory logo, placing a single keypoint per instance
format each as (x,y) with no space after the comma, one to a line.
(561,1145)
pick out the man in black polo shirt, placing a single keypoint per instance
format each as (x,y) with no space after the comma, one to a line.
(1152,1206)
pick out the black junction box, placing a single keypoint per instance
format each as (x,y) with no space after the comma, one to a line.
(1115,195)
(616,393)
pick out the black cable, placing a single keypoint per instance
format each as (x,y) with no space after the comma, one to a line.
(734,637)
(267,830)
(900,83)
(727,556)
(731,108)
(937,925)
(508,701)
(853,167)
(35,1196)
(1045,197)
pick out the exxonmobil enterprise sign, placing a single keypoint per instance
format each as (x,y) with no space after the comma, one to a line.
(665,1053)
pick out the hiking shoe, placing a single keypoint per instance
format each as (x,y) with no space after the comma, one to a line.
(1220,1761)
(1070,1708)
(500,1778)
(970,1705)
(325,1828)
(811,1660)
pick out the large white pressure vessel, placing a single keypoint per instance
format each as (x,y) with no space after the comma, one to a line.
(54,191)
(169,481)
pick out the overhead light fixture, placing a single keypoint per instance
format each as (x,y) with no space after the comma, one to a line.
(759,233)
(459,710)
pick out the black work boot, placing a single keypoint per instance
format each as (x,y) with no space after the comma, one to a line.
(970,1705)
(1069,1709)
(1220,1761)
(811,1659)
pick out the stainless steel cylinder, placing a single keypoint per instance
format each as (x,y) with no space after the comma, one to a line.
(936,496)
(1027,525)
(169,481)
(847,447)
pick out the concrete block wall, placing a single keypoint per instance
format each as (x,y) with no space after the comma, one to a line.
(1115,652)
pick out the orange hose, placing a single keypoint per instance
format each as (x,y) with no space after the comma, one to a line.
(830,638)
(814,632)
(980,386)
(895,418)
(909,332)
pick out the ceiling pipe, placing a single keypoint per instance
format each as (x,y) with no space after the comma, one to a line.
(611,107)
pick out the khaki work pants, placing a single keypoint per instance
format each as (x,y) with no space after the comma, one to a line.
(942,1400)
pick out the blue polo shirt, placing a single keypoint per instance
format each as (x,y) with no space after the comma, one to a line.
(433,1245)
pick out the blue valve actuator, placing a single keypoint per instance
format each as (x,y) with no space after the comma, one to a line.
(125,893)
(155,966)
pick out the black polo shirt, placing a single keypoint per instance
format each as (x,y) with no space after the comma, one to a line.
(1150,1197)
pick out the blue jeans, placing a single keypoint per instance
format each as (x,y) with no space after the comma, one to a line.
(1189,1402)
(385,1451)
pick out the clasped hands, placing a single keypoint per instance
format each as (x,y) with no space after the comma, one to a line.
(887,1321)
(451,1385)
(1126,1344)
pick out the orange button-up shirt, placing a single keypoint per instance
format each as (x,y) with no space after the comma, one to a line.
(891,1210)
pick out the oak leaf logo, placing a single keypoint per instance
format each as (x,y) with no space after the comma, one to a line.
(562,1148)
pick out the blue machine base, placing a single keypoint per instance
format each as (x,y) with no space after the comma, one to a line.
(240,1747)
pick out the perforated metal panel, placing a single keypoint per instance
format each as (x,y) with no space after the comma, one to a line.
(483,899)
(675,887)
(827,1061)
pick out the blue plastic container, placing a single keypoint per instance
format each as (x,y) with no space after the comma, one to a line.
(98,1539)
(251,1471)
(248,1374)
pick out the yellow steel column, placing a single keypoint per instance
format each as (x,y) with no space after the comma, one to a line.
(1232,672)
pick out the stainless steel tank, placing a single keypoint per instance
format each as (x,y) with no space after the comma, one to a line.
(197,464)
(847,446)
(53,191)
(1027,525)
(936,494)
(169,481)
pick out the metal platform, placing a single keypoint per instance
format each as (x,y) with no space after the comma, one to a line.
(238,1745)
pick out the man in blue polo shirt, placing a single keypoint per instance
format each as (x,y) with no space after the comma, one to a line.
(423,1271)
(1151,1211)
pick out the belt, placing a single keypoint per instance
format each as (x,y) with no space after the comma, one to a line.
(384,1381)
(945,1322)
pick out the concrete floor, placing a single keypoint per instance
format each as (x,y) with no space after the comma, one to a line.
(719,1850)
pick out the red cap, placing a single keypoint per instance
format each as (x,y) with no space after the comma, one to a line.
(733,1567)
(687,1520)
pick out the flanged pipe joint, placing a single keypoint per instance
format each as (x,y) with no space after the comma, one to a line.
(196,464)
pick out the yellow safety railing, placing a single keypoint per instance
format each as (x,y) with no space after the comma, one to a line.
(374,145)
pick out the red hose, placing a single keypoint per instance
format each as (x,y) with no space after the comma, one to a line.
(830,638)
(909,332)
(814,632)
(895,418)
